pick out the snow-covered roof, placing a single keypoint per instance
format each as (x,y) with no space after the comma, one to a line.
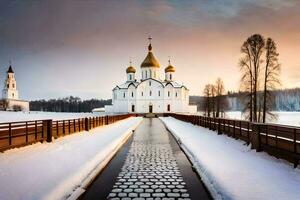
(164,83)
(174,84)
(126,85)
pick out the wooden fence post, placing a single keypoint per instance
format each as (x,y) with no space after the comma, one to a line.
(47,129)
(255,138)
(86,124)
(219,126)
(106,120)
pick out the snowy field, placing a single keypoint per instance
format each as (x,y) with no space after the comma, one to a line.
(285,118)
(7,116)
(231,170)
(60,169)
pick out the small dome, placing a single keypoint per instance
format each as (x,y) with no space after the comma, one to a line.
(130,69)
(170,68)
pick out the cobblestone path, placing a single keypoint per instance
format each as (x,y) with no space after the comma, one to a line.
(150,170)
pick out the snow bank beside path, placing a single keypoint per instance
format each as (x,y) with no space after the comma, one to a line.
(59,169)
(9,116)
(231,170)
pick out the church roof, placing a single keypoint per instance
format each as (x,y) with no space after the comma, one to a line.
(136,84)
(150,60)
(10,70)
(130,69)
(170,68)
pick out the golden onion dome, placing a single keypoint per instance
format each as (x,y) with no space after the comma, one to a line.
(150,60)
(130,69)
(170,68)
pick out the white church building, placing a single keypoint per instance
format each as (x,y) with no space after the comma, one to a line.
(150,93)
(10,95)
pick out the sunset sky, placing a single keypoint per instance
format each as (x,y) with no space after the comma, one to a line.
(82,48)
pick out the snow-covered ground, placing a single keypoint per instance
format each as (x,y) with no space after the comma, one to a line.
(62,168)
(8,116)
(231,170)
(285,118)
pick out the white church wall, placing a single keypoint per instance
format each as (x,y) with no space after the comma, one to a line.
(24,105)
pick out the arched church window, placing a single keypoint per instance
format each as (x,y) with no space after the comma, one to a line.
(150,93)
(176,94)
(168,93)
(13,95)
(124,94)
(149,83)
(13,85)
(159,93)
(131,94)
(170,76)
(7,85)
(142,93)
(130,77)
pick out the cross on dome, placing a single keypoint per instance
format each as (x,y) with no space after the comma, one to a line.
(150,46)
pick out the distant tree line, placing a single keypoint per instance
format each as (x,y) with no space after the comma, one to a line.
(283,100)
(68,104)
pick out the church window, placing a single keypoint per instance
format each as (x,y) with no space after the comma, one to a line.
(131,94)
(150,73)
(168,93)
(159,93)
(142,94)
(150,93)
(176,94)
(7,85)
(13,95)
(146,75)
(170,76)
(149,83)
(130,77)
(13,85)
(169,108)
(124,94)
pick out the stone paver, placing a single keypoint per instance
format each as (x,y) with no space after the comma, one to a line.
(150,170)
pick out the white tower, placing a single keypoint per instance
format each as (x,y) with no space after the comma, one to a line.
(10,86)
(169,72)
(150,66)
(130,73)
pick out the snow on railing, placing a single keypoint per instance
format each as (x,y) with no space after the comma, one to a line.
(278,140)
(15,134)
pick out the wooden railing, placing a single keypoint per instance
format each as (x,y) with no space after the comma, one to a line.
(278,140)
(14,134)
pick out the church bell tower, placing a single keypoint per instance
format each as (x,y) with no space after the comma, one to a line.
(10,86)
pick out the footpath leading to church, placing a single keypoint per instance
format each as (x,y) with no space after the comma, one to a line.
(150,166)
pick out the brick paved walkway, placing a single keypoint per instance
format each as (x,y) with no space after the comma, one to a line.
(150,170)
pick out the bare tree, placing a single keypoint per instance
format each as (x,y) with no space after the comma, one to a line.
(271,78)
(207,94)
(247,78)
(256,45)
(213,99)
(256,81)
(220,89)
